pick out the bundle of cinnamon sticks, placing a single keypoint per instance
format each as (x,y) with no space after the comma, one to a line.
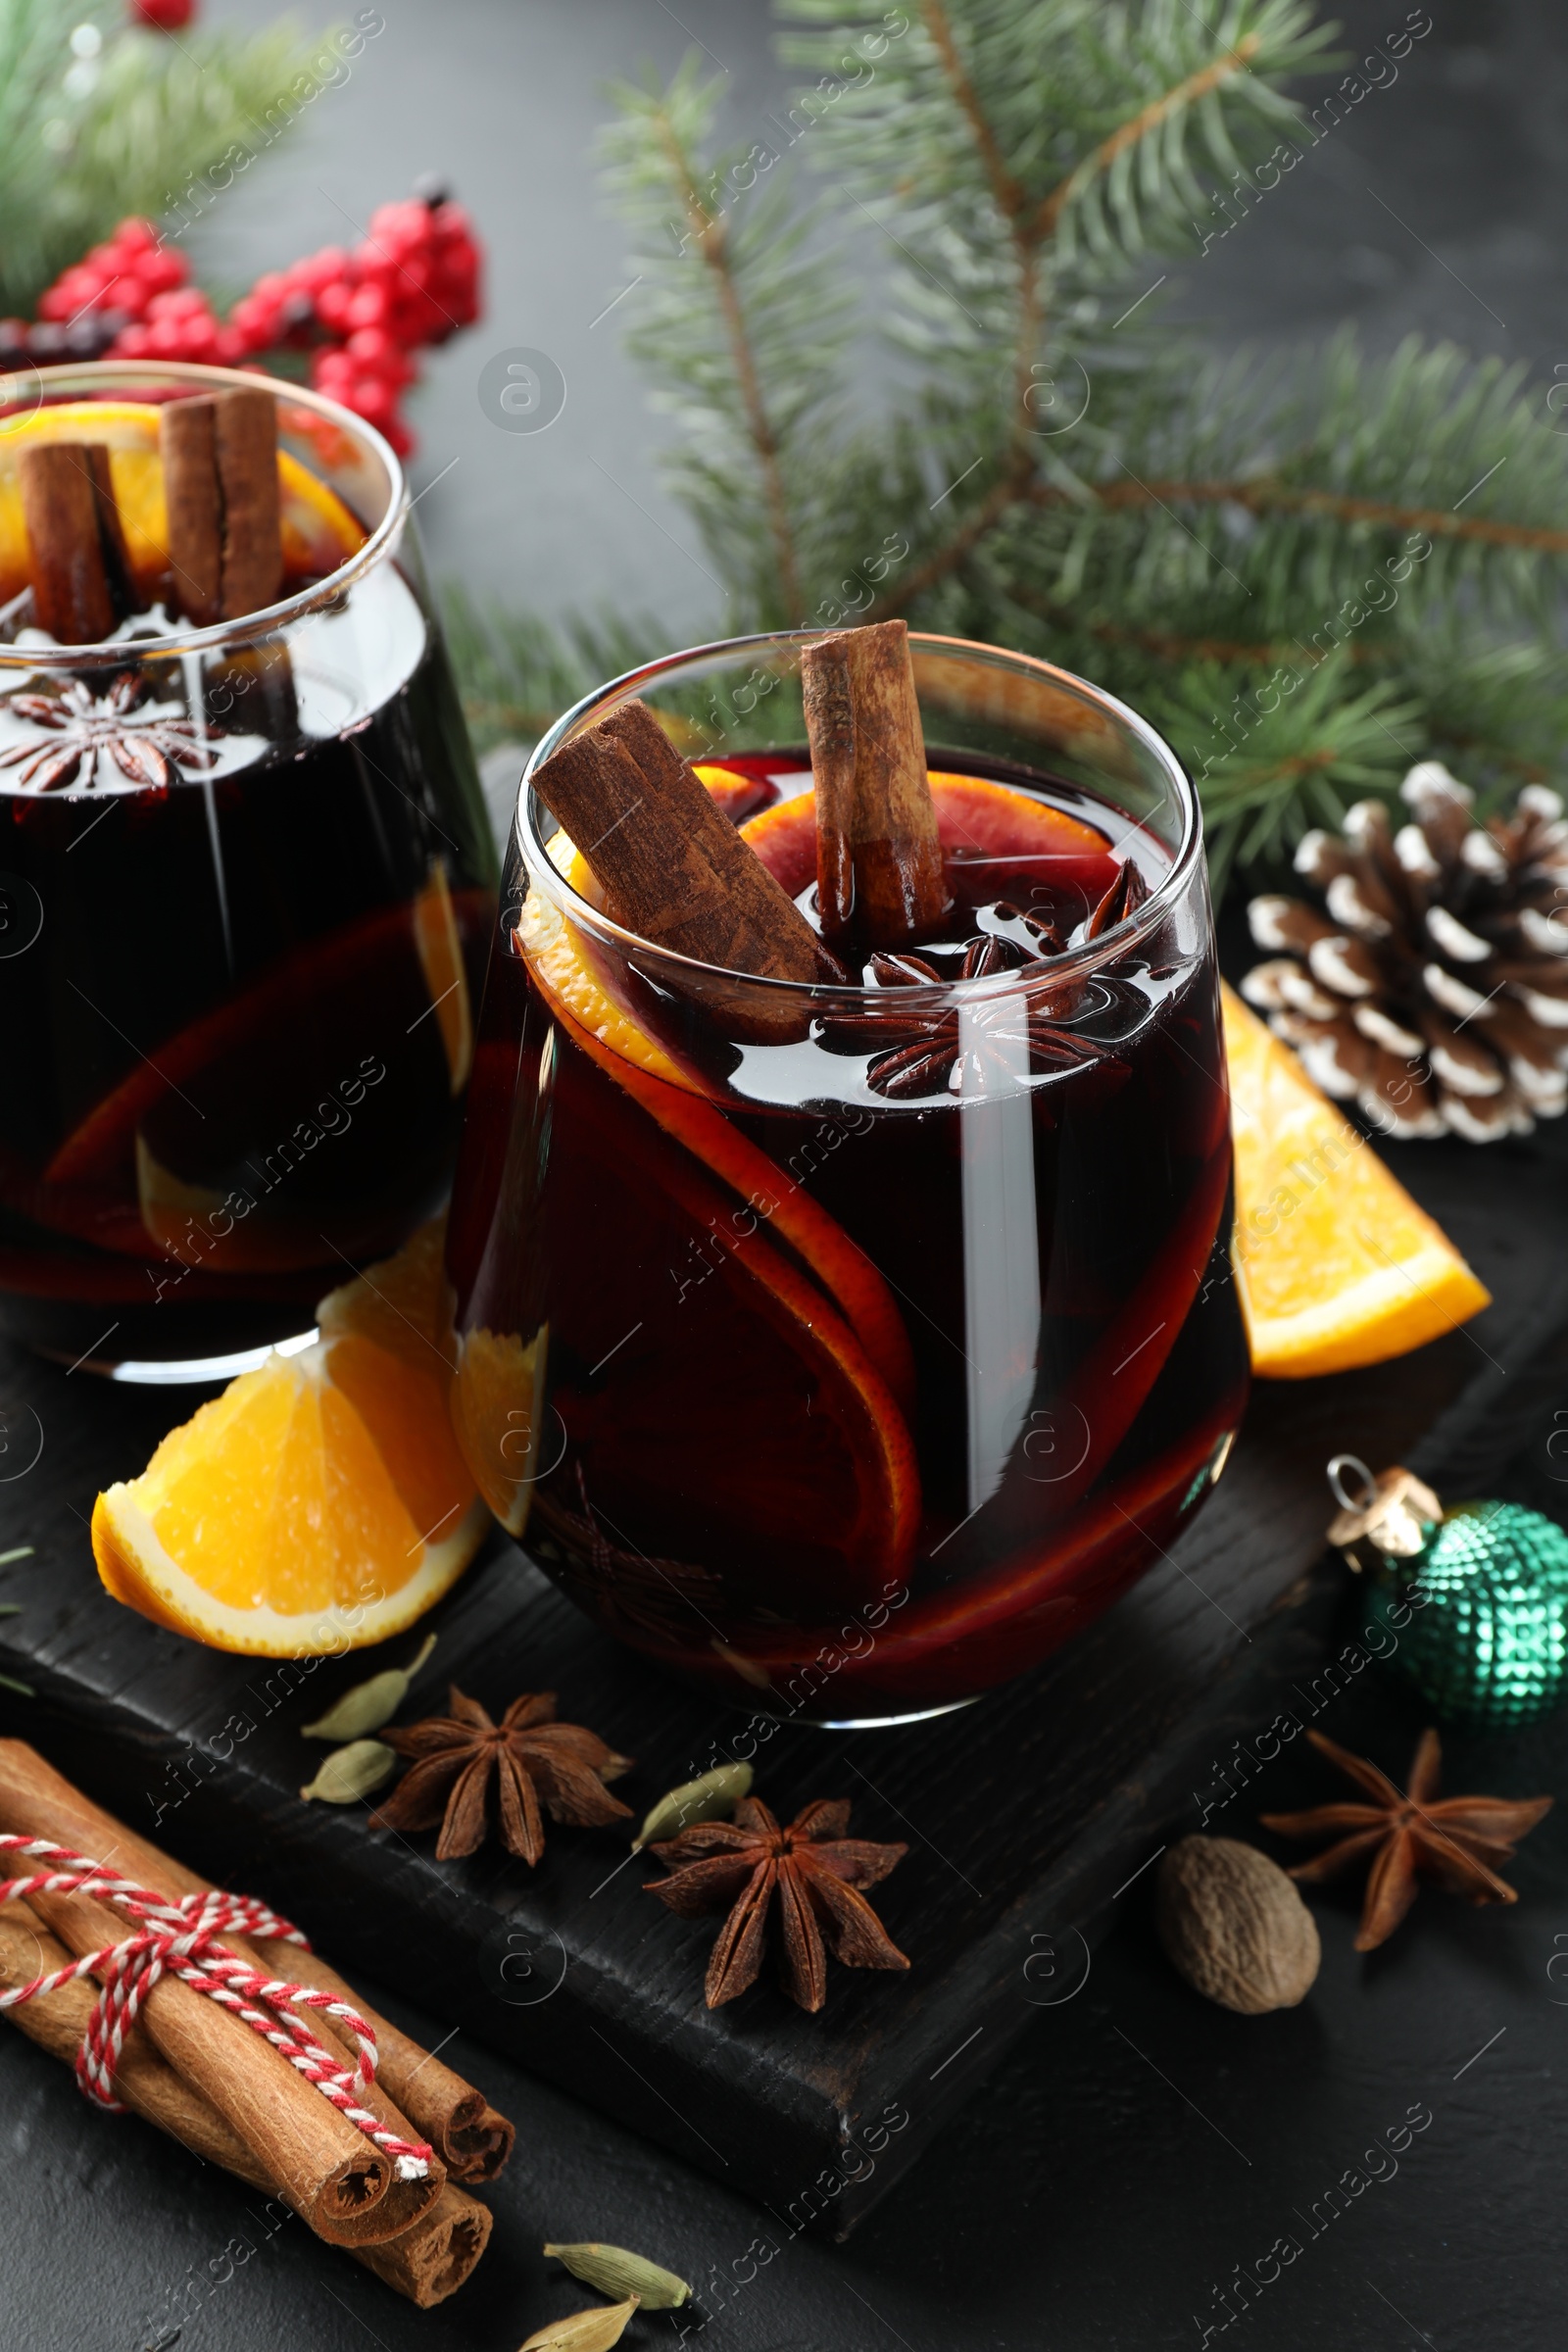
(207,2079)
(224,537)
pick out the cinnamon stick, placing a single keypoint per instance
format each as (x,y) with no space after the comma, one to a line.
(471,2138)
(431,2260)
(671,866)
(247,473)
(72,596)
(220,457)
(110,532)
(331,2174)
(187,439)
(878,853)
(425,2263)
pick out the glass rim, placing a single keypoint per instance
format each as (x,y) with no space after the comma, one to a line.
(120,653)
(1073,964)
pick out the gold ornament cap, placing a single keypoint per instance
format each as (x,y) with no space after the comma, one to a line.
(1390,1517)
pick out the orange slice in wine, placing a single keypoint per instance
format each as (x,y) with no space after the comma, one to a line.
(560,961)
(980,822)
(380,958)
(440,948)
(719,1391)
(498,1410)
(319,532)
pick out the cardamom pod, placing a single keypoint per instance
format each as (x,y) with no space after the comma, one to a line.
(616,2272)
(707,1799)
(352,1772)
(592,2330)
(368,1704)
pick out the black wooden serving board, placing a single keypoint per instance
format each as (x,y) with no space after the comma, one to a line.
(1026,1815)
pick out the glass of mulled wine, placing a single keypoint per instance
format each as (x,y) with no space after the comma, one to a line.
(246,886)
(849,1348)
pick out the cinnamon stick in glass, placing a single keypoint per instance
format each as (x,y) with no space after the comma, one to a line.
(878,853)
(226,548)
(425,2263)
(671,866)
(71,594)
(187,440)
(333,2176)
(247,473)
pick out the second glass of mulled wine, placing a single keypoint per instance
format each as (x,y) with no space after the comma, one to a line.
(246,877)
(847,1345)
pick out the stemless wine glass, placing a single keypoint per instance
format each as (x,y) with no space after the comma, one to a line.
(848,1349)
(246,883)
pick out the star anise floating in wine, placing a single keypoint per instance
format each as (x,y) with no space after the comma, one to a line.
(809,1875)
(530,1761)
(927,1052)
(1457,1843)
(149,742)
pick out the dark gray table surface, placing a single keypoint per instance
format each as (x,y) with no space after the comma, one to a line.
(1139,2145)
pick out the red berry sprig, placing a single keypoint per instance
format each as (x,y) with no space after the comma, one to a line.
(361,313)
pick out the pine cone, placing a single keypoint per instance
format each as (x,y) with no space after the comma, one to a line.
(1434,991)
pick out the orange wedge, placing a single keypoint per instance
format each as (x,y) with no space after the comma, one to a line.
(1336,1264)
(321,1503)
(440,948)
(319,531)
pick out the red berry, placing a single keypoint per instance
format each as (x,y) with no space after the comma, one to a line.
(376,352)
(332,302)
(370,305)
(132,343)
(159,270)
(162,16)
(320,268)
(180,302)
(135,236)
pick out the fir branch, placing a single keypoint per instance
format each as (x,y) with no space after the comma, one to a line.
(752,362)
(517,672)
(87,139)
(1262,496)
(1149,118)
(712,243)
(1306,574)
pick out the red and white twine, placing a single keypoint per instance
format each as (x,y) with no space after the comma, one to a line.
(182,1938)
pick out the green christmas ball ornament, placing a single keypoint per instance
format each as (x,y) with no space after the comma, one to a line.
(1475,1598)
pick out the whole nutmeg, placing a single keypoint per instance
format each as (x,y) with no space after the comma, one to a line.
(1235,1927)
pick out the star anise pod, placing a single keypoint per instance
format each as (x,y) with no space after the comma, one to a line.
(927,1054)
(149,742)
(532,1760)
(811,1870)
(1459,1842)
